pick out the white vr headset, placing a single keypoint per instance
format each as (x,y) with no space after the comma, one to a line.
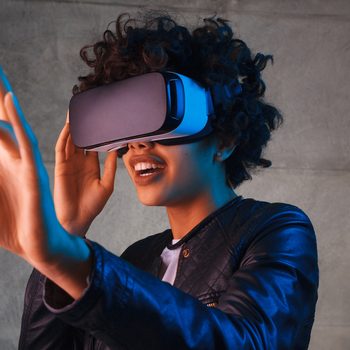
(165,107)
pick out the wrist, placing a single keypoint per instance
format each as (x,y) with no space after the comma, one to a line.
(70,266)
(74,229)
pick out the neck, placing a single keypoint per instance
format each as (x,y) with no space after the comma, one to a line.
(189,213)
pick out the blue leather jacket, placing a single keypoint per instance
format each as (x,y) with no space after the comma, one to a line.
(247,278)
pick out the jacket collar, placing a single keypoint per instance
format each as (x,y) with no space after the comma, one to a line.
(200,225)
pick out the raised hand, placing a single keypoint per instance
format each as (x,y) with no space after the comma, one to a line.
(28,223)
(26,208)
(80,193)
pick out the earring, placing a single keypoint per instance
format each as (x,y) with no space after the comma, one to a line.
(218,154)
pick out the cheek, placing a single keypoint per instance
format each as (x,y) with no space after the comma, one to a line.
(188,171)
(127,167)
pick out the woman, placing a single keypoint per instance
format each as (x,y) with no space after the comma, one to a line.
(236,273)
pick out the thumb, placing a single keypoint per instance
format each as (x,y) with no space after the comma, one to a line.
(109,171)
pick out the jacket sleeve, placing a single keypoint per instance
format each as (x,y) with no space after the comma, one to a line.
(269,302)
(40,328)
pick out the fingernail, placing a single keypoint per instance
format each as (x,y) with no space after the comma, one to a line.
(10,93)
(5,81)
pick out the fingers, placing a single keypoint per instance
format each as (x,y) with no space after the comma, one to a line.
(3,112)
(5,84)
(23,132)
(109,171)
(93,154)
(70,147)
(27,142)
(65,147)
(60,148)
(8,139)
(27,149)
(7,134)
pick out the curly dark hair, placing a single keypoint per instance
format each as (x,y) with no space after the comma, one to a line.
(212,56)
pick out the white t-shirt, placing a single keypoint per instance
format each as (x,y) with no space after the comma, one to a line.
(170,259)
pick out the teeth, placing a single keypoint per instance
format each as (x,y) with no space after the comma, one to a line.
(145,166)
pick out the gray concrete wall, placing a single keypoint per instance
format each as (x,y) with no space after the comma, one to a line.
(309,82)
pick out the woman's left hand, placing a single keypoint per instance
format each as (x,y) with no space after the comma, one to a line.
(80,193)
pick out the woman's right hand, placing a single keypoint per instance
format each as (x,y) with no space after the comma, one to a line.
(28,224)
(80,193)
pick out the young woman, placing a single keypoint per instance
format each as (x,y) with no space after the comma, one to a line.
(229,273)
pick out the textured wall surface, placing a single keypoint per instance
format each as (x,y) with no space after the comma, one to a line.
(309,82)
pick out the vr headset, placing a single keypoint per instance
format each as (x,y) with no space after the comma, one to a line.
(165,107)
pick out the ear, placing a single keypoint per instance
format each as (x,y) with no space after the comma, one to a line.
(225,149)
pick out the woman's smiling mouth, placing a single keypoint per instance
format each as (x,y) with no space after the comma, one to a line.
(147,168)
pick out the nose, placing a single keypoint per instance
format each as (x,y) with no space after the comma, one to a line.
(142,145)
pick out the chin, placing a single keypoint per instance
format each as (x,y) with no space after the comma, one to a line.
(162,199)
(151,199)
